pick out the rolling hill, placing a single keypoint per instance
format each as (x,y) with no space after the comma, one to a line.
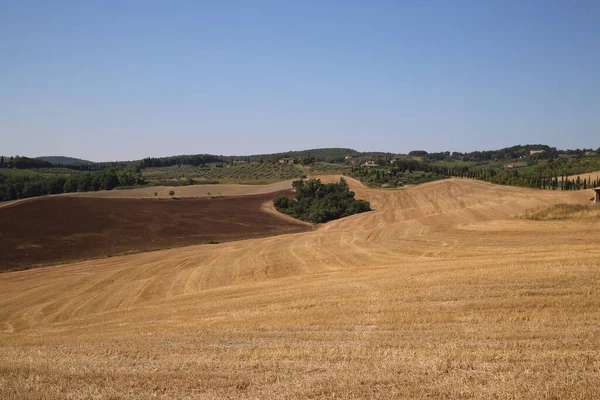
(438,293)
(62,160)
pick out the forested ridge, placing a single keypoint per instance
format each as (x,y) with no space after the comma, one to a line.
(535,166)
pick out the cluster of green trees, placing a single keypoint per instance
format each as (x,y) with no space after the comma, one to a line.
(317,202)
(84,167)
(401,172)
(23,163)
(553,176)
(508,153)
(18,162)
(331,155)
(13,187)
(551,180)
(195,160)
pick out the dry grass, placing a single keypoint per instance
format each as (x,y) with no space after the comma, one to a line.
(162,192)
(439,293)
(217,190)
(561,212)
(592,176)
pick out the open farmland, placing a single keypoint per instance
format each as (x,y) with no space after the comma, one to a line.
(209,190)
(439,293)
(257,173)
(57,229)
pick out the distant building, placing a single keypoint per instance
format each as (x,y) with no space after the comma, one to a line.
(370,164)
(532,152)
(516,165)
(286,161)
(596,198)
(348,158)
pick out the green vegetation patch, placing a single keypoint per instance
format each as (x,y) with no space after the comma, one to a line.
(317,202)
(329,168)
(21,184)
(399,173)
(251,173)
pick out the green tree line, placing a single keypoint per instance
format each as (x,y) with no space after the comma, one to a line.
(13,187)
(195,160)
(404,172)
(18,162)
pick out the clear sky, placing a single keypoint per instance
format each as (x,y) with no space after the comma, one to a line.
(126,79)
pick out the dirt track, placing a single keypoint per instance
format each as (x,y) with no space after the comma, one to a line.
(438,293)
(58,229)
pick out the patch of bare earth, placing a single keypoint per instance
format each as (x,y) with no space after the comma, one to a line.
(59,229)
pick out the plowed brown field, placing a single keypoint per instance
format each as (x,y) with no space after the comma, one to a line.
(438,293)
(56,229)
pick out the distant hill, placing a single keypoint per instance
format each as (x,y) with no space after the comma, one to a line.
(535,152)
(320,155)
(65,160)
(332,155)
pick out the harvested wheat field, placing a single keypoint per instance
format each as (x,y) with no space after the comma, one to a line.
(590,176)
(55,229)
(441,292)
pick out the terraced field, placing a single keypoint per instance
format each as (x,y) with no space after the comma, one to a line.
(438,293)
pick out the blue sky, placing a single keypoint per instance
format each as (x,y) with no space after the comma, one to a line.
(115,80)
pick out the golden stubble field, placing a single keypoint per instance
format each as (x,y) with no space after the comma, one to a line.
(439,293)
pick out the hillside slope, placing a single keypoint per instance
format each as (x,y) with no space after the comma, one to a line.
(438,293)
(52,230)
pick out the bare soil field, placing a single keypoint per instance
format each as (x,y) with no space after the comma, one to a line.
(441,292)
(58,229)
